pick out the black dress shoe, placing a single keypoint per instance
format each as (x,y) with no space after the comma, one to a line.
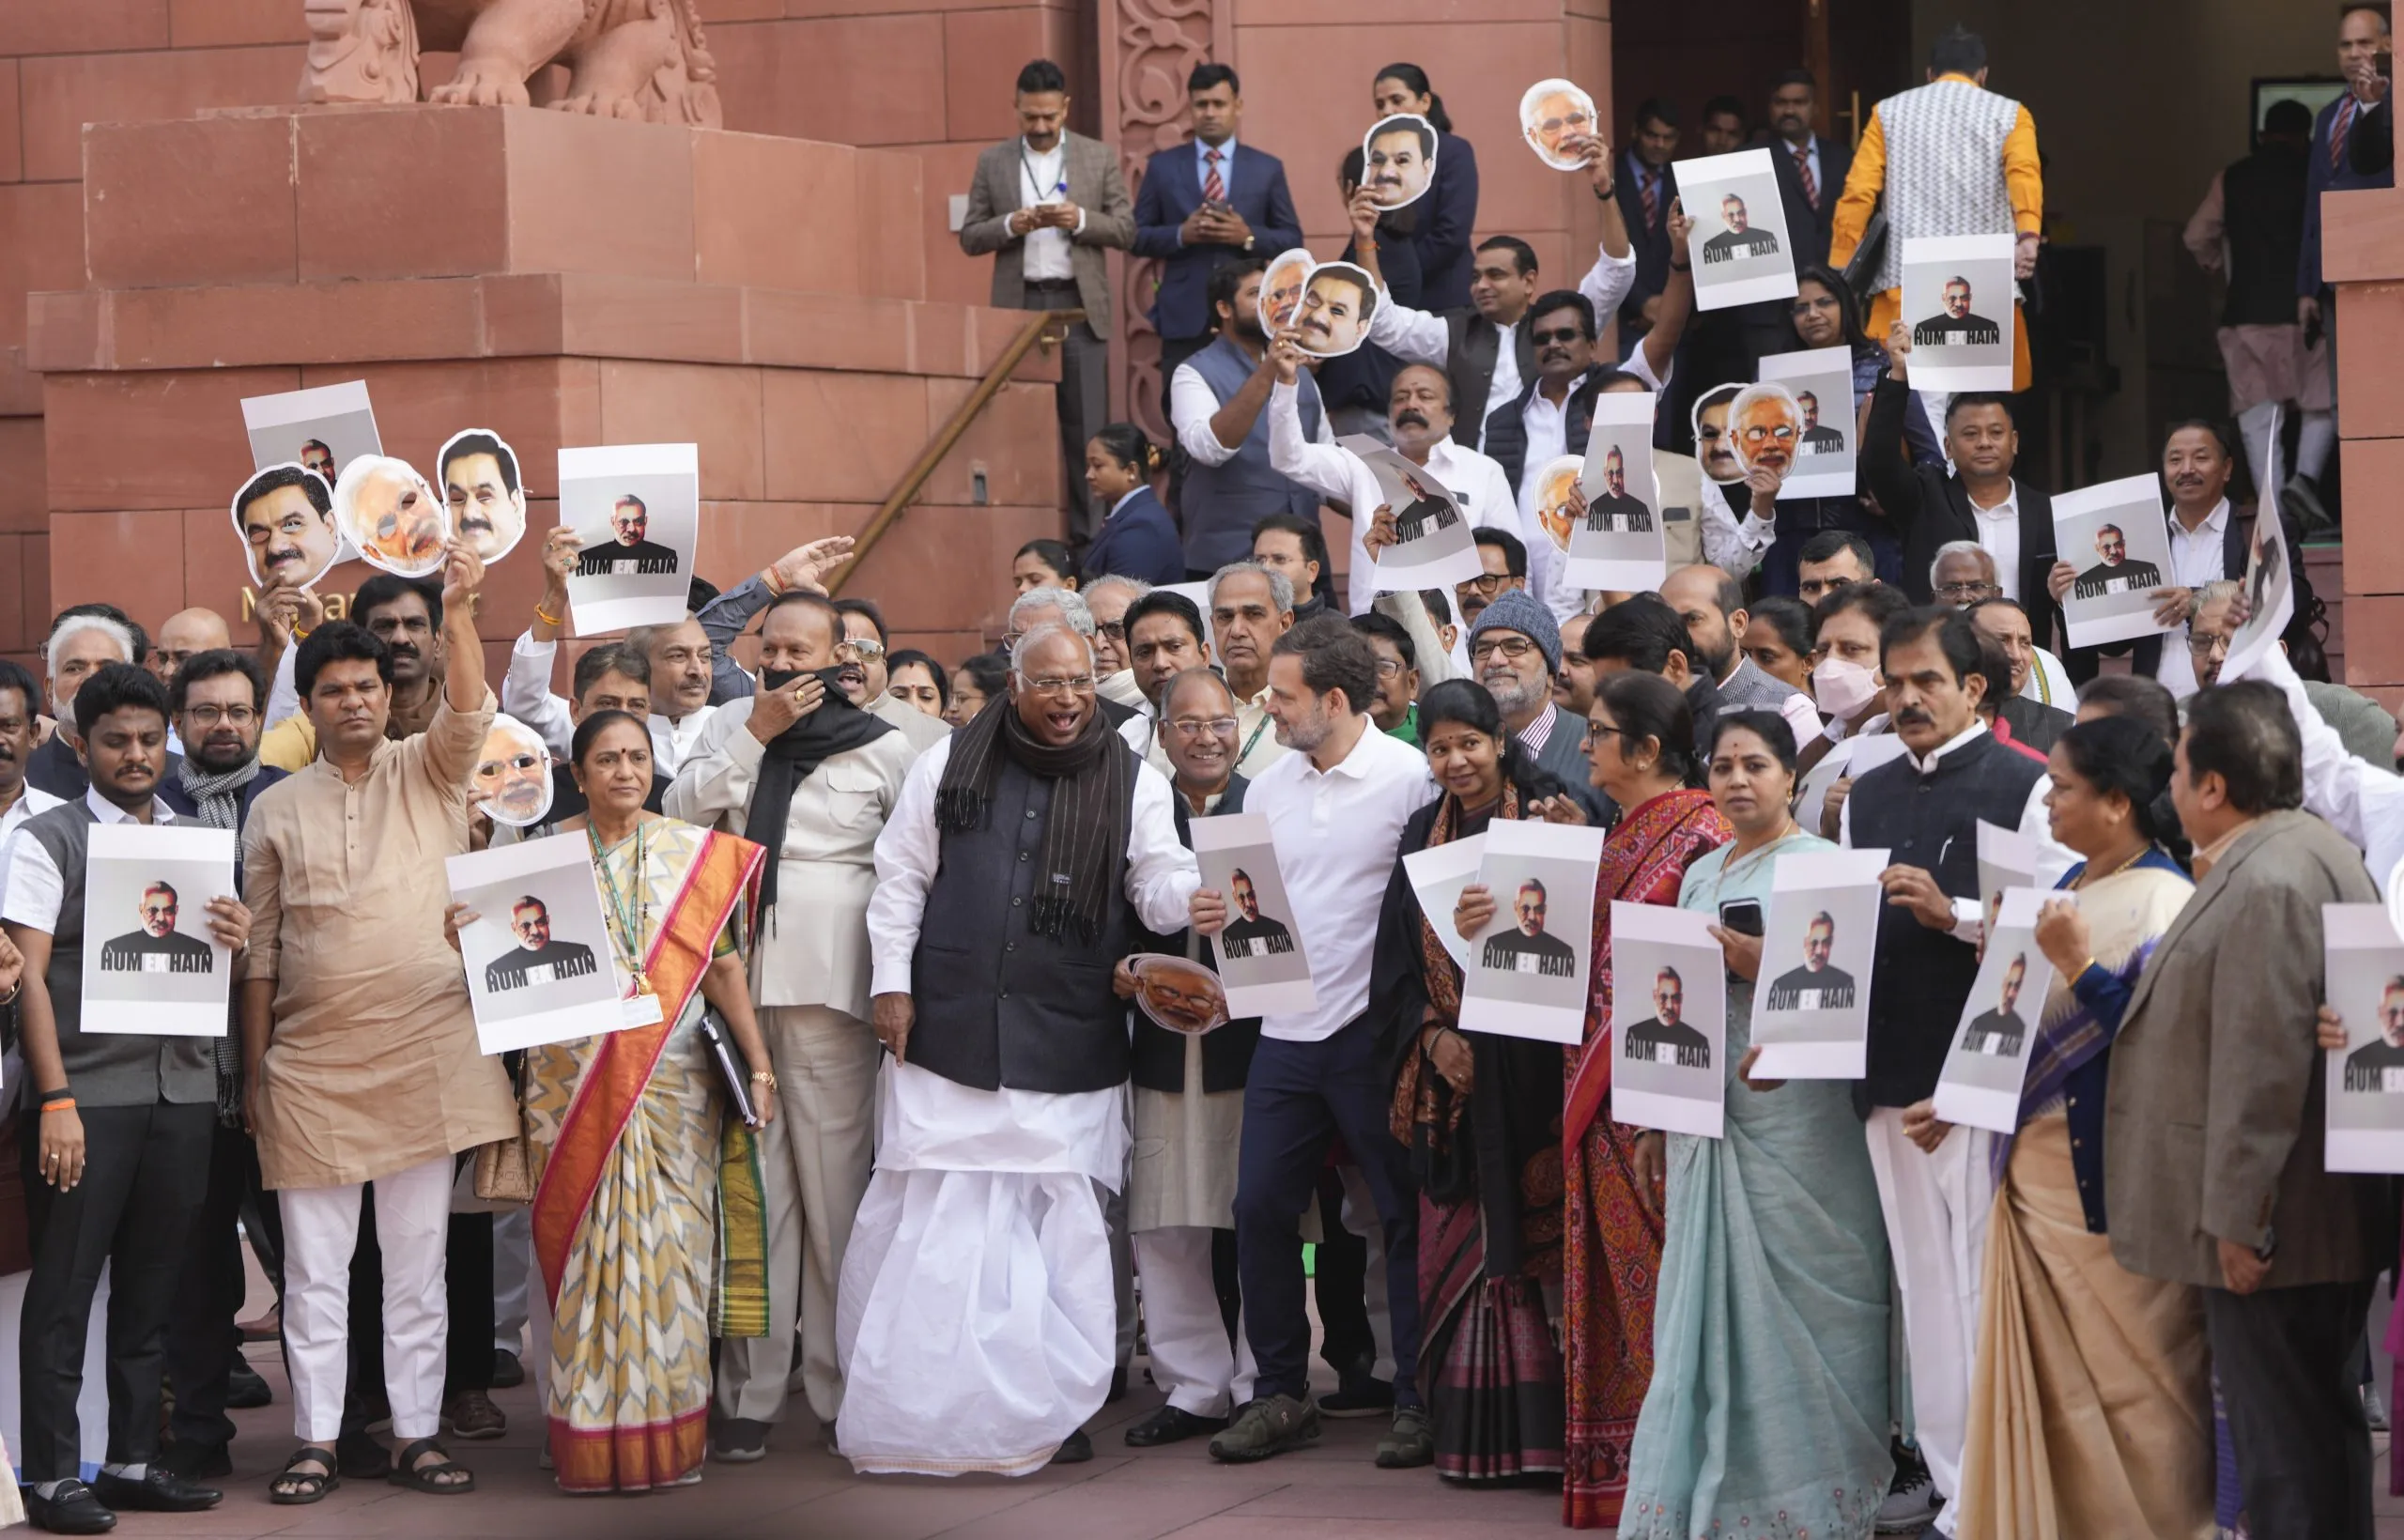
(197,1462)
(247,1390)
(507,1373)
(1075,1449)
(159,1491)
(1171,1424)
(72,1510)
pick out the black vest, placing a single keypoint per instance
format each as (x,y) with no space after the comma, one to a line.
(1506,431)
(998,1004)
(1159,1053)
(2263,220)
(1472,347)
(1921,977)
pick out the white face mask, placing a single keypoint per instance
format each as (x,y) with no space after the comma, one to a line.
(1842,688)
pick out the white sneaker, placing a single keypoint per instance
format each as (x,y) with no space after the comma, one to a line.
(1911,1506)
(2374,1408)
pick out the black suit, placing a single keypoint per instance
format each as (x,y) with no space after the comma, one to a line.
(1422,516)
(1631,516)
(1651,241)
(1929,507)
(2134,577)
(1647,1036)
(649,556)
(1808,221)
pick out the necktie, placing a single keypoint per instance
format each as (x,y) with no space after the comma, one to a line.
(1646,182)
(1803,169)
(1214,187)
(2338,128)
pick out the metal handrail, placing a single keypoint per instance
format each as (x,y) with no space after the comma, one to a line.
(915,479)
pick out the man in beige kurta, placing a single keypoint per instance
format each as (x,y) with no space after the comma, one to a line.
(361,1047)
(810,977)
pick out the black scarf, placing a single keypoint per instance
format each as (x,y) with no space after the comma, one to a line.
(793,756)
(1085,834)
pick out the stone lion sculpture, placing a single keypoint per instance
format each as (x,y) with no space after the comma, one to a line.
(642,59)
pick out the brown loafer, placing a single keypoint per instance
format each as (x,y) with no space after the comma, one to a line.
(472,1416)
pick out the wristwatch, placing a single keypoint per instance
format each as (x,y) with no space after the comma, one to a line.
(1248,243)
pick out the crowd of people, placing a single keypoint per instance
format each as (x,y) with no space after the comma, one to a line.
(913,1117)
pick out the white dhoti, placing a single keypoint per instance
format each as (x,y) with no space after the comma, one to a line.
(1184,1188)
(976,1320)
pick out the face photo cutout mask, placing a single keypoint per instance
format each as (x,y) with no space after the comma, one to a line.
(284,516)
(1333,318)
(1280,289)
(512,783)
(482,491)
(1554,114)
(1399,160)
(388,513)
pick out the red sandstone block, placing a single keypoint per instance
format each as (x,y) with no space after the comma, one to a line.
(81,27)
(604,316)
(977,78)
(216,571)
(34,550)
(840,438)
(524,400)
(2359,232)
(714,406)
(943,339)
(41,247)
(24,507)
(791,330)
(1015,441)
(151,589)
(402,193)
(873,80)
(13,638)
(62,93)
(595,194)
(2370,336)
(167,439)
(2376,654)
(579,387)
(951,274)
(945,569)
(891,235)
(779,214)
(2372,565)
(12,139)
(283,323)
(522,314)
(200,201)
(65,332)
(740,538)
(221,23)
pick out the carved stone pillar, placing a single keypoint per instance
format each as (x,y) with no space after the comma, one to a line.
(1148,47)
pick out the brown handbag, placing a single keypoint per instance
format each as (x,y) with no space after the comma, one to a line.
(505,1167)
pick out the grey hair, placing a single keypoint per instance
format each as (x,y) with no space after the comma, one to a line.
(1072,608)
(73,624)
(1281,587)
(2215,592)
(1963,548)
(1136,588)
(1045,632)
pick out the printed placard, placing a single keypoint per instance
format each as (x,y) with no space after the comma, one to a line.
(1980,1085)
(636,508)
(1619,544)
(1668,1019)
(539,960)
(1851,759)
(1261,960)
(323,428)
(1179,992)
(1438,874)
(1739,245)
(1435,549)
(1958,299)
(1820,383)
(151,966)
(1527,973)
(2270,585)
(2119,538)
(2006,859)
(1812,1004)
(2365,961)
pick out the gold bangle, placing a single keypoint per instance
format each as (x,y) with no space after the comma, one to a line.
(548,620)
(298,635)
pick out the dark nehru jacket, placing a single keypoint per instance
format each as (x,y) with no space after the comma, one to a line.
(515,969)
(139,951)
(1159,1052)
(999,1006)
(607,560)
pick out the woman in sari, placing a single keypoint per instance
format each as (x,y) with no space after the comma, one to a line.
(1767,1412)
(1482,1117)
(649,1232)
(1640,741)
(2091,1406)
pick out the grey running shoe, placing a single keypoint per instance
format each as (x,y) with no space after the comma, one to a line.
(1411,1442)
(1270,1425)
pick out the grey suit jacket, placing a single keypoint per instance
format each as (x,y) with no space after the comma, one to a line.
(1095,186)
(2216,1109)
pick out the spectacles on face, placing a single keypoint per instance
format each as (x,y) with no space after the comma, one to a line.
(1514,648)
(866,650)
(1079,684)
(2206,644)
(1597,731)
(1389,668)
(1193,727)
(1564,335)
(1114,630)
(1489,584)
(209,716)
(1973,590)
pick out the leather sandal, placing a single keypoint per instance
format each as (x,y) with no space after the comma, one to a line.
(407,1473)
(305,1486)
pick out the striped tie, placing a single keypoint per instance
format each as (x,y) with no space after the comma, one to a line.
(2338,128)
(1803,169)
(1214,187)
(1645,184)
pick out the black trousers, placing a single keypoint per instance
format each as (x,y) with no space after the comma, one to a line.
(2286,1367)
(202,1340)
(145,1174)
(1340,1285)
(467,1295)
(1084,403)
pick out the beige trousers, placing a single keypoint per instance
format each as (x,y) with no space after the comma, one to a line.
(814,1163)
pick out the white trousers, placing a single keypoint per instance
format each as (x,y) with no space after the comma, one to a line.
(1937,1209)
(1191,1359)
(814,1167)
(321,1231)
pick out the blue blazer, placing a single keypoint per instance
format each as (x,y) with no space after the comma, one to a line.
(1173,188)
(2319,178)
(1446,218)
(1139,540)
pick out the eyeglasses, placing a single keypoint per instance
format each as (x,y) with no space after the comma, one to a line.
(867,650)
(1114,630)
(1560,334)
(205,717)
(1389,668)
(1597,731)
(1514,648)
(1193,727)
(1967,591)
(2205,643)
(1080,685)
(1490,584)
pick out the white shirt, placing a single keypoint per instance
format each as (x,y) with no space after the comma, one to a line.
(1161,874)
(1475,482)
(2053,860)
(1192,404)
(526,694)
(2195,561)
(1045,179)
(2049,682)
(36,889)
(2363,801)
(1547,425)
(1335,835)
(1999,532)
(30,800)
(1606,283)
(1733,545)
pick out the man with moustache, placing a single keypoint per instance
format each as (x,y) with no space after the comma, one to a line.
(1049,606)
(19,799)
(2030,720)
(1767,427)
(118,1164)
(860,673)
(1217,403)
(1253,933)
(800,768)
(1189,1120)
(1108,599)
(2377,1066)
(2113,572)
(1334,316)
(1616,511)
(406,615)
(1164,640)
(1395,710)
(631,553)
(83,639)
(1817,438)
(1810,169)
(1529,949)
(1555,411)
(1573,682)
(155,945)
(1009,880)
(1815,985)
(1515,650)
(288,519)
(1419,415)
(1999,1033)
(479,477)
(1251,608)
(512,778)
(607,677)
(217,705)
(1402,160)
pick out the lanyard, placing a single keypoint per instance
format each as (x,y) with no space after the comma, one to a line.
(626,910)
(1060,186)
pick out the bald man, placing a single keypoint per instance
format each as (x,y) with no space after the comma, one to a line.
(186,632)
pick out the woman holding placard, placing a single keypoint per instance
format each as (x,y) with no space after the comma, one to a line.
(1768,1411)
(1482,1117)
(635,1157)
(1640,739)
(2090,1407)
